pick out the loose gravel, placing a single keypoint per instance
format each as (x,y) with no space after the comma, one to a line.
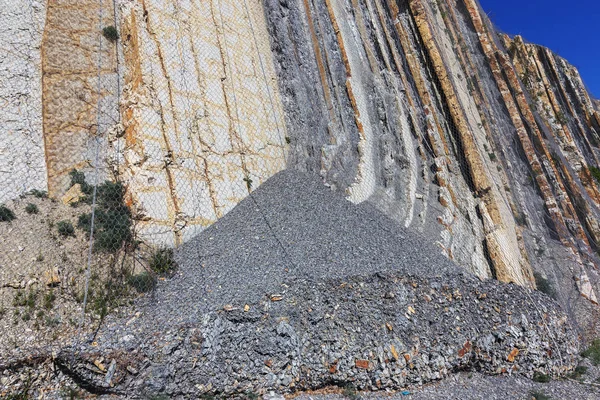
(297,289)
(291,227)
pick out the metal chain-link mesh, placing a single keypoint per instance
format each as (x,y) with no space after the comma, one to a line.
(158,118)
(161,119)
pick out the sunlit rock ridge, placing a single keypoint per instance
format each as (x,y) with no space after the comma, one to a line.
(481,141)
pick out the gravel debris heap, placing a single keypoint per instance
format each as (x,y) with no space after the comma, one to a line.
(296,289)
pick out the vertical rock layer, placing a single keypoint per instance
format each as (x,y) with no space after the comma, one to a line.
(202,115)
(22,165)
(79,87)
(480,140)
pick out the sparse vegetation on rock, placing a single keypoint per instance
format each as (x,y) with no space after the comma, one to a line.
(595,171)
(142,282)
(112,224)
(49,299)
(31,208)
(593,352)
(162,260)
(78,178)
(578,372)
(110,33)
(561,118)
(544,285)
(40,194)
(540,377)
(6,214)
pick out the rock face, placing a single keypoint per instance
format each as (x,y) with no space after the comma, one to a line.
(202,116)
(22,165)
(481,141)
(336,297)
(79,88)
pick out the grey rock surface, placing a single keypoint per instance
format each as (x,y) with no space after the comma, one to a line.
(474,386)
(292,227)
(298,289)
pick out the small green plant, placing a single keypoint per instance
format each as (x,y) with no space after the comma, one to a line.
(52,322)
(544,285)
(6,214)
(49,299)
(248,181)
(349,391)
(65,228)
(100,305)
(78,178)
(593,352)
(526,78)
(112,225)
(537,395)
(162,261)
(470,84)
(493,157)
(142,282)
(540,377)
(40,194)
(32,209)
(561,118)
(578,372)
(110,33)
(23,299)
(595,171)
(26,316)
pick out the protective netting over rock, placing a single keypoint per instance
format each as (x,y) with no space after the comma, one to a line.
(297,288)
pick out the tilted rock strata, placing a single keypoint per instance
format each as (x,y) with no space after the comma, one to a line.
(201,112)
(480,140)
(482,163)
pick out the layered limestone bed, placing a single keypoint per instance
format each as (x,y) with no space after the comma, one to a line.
(22,161)
(202,117)
(79,89)
(482,142)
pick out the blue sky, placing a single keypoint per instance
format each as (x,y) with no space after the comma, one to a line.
(569,28)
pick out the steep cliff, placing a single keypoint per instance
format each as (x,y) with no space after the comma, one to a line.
(481,141)
(202,116)
(22,161)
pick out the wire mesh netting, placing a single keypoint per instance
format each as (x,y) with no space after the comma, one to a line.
(159,117)
(134,161)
